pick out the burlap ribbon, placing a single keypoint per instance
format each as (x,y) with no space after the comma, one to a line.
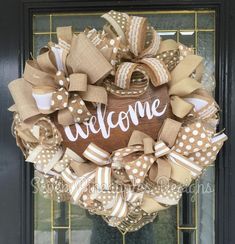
(179,155)
(185,87)
(97,172)
(41,133)
(132,76)
(130,185)
(183,84)
(48,86)
(145,156)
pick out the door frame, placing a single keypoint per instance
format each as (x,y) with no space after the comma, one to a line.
(225,198)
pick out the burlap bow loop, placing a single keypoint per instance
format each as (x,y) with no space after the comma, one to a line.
(186,72)
(204,106)
(157,160)
(42,132)
(53,57)
(138,157)
(85,173)
(51,87)
(143,42)
(171,53)
(185,81)
(64,37)
(85,57)
(187,97)
(59,95)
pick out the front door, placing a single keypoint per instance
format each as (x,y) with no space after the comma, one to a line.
(198,219)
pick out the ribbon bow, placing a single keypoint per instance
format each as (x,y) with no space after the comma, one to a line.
(185,87)
(97,175)
(59,81)
(132,77)
(42,133)
(163,159)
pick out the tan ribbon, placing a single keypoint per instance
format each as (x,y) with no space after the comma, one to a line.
(184,81)
(54,91)
(186,71)
(64,74)
(43,132)
(132,77)
(142,152)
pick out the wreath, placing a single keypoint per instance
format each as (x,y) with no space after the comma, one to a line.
(116,121)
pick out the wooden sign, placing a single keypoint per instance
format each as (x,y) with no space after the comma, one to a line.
(111,127)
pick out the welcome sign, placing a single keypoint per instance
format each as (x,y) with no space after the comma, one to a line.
(111,126)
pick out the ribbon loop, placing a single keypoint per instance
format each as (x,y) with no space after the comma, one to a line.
(53,89)
(64,36)
(160,172)
(137,27)
(96,155)
(184,82)
(84,57)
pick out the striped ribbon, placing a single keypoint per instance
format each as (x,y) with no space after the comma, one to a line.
(80,185)
(103,178)
(133,197)
(96,155)
(186,163)
(161,149)
(120,207)
(68,176)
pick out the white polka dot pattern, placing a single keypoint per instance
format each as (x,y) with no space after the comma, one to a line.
(45,158)
(168,194)
(61,80)
(207,155)
(192,138)
(59,99)
(78,109)
(107,197)
(118,21)
(135,166)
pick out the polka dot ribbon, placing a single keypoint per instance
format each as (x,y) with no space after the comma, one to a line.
(181,162)
(194,146)
(43,132)
(52,82)
(80,178)
(132,77)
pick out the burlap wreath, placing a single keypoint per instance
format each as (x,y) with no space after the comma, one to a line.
(129,185)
